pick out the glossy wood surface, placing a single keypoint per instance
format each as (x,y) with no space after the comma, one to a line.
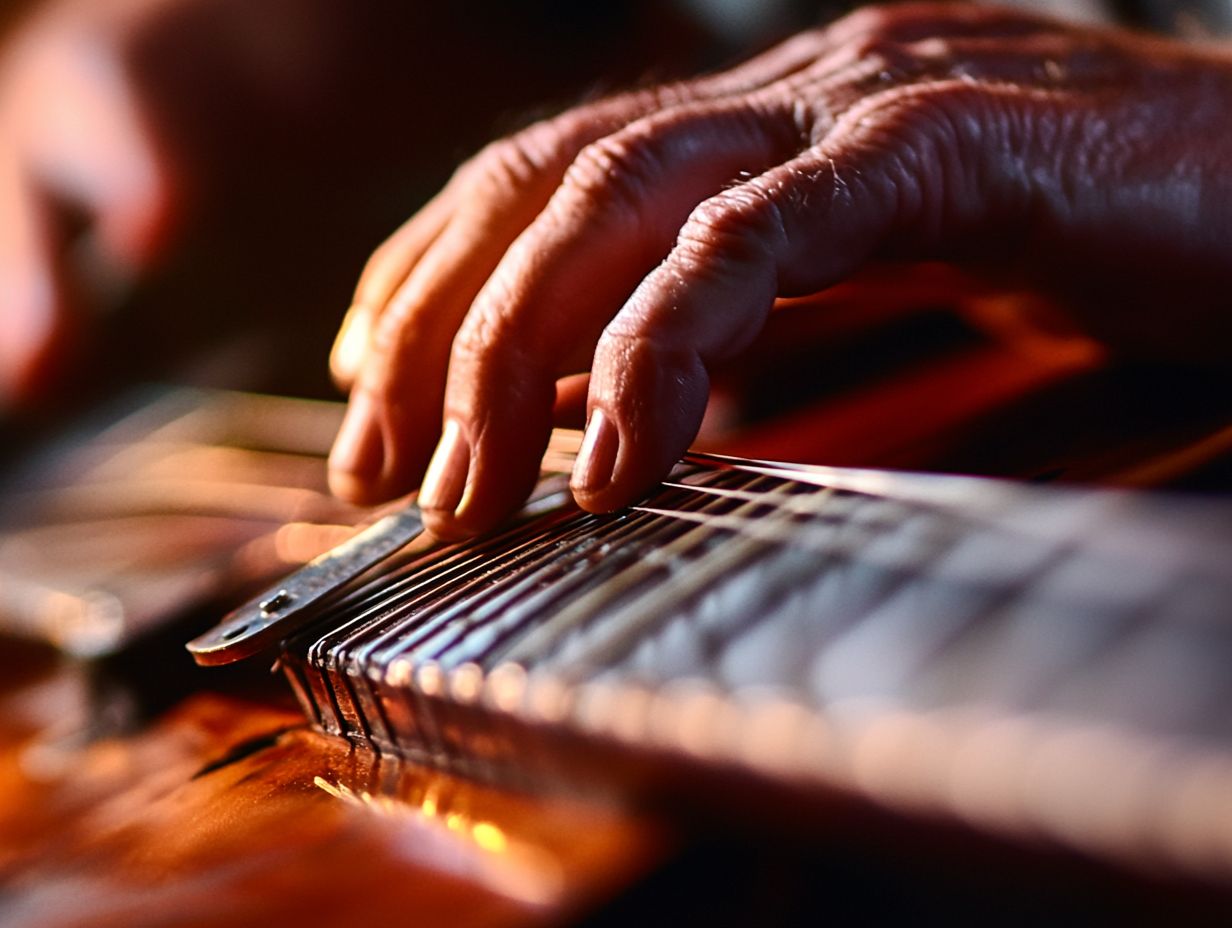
(226,810)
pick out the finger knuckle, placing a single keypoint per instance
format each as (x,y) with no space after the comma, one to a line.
(743,225)
(491,332)
(614,172)
(512,163)
(479,333)
(871,20)
(395,329)
(488,358)
(935,51)
(583,124)
(619,347)
(633,358)
(809,41)
(385,254)
(888,60)
(934,152)
(943,114)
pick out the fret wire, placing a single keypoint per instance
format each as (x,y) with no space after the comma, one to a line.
(395,573)
(323,648)
(336,658)
(548,635)
(1098,517)
(937,550)
(994,502)
(637,528)
(402,567)
(368,663)
(363,606)
(432,584)
(789,540)
(479,638)
(381,592)
(337,610)
(408,633)
(420,580)
(735,524)
(800,503)
(816,536)
(930,489)
(398,632)
(556,561)
(806,500)
(893,641)
(820,540)
(601,598)
(1089,635)
(805,504)
(762,499)
(555,568)
(628,625)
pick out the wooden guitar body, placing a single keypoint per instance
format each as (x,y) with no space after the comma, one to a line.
(138,790)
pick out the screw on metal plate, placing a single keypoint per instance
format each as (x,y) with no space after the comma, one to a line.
(276,603)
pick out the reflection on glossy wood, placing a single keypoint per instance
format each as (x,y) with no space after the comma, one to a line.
(230,810)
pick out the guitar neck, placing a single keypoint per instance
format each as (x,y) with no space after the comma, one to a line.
(1031,659)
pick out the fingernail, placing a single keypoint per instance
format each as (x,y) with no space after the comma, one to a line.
(358,456)
(352,342)
(592,471)
(445,482)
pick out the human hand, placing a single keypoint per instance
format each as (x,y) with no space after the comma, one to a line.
(647,237)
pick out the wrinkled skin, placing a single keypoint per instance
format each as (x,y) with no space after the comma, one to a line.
(646,237)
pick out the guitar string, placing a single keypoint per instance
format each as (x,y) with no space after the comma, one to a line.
(547,635)
(408,631)
(561,553)
(332,650)
(625,555)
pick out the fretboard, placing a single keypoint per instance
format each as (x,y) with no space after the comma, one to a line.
(1031,659)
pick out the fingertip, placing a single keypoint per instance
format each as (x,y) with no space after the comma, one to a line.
(481,474)
(444,526)
(462,522)
(610,474)
(448,476)
(349,488)
(595,467)
(357,460)
(646,407)
(350,345)
(446,498)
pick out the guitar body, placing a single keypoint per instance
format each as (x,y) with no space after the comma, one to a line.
(219,804)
